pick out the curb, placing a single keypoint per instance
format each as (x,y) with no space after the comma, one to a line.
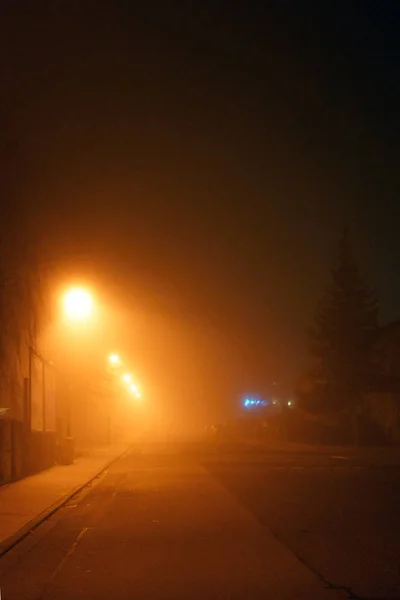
(12,541)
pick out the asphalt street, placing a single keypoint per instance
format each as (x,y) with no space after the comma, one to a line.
(340,515)
(191,520)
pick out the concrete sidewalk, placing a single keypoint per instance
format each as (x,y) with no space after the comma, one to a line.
(27,502)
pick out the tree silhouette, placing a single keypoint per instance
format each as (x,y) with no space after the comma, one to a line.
(342,339)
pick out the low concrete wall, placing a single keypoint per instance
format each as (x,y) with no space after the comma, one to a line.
(5,451)
(24,453)
(13,448)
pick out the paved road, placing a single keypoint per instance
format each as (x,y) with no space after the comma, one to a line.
(180,521)
(340,515)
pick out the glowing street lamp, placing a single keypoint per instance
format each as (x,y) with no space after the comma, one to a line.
(78,305)
(127,378)
(133,388)
(114,360)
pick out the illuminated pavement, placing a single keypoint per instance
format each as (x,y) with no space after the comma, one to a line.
(156,525)
(29,500)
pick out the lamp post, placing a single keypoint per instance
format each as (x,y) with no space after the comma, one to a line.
(114,364)
(78,308)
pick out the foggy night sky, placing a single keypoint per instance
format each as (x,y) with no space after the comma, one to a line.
(199,163)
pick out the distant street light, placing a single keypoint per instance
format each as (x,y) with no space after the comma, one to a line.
(134,390)
(127,378)
(78,305)
(114,360)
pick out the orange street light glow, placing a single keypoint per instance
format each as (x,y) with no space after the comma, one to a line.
(114,359)
(78,305)
(127,378)
(133,388)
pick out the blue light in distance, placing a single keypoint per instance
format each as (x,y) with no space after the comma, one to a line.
(249,402)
